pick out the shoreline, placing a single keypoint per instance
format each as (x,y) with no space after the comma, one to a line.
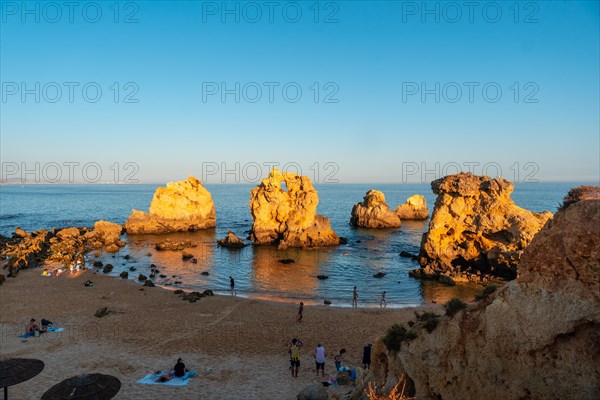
(243,340)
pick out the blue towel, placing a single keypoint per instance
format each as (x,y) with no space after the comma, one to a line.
(150,379)
(51,329)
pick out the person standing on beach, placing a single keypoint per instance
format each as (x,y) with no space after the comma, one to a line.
(232,285)
(383,303)
(294,352)
(338,359)
(355,297)
(300,311)
(366,359)
(320,359)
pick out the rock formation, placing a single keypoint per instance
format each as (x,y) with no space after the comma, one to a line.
(231,241)
(288,217)
(476,230)
(107,234)
(414,208)
(373,212)
(181,206)
(536,338)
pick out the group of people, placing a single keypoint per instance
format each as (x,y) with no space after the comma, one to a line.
(178,371)
(320,356)
(34,329)
(382,301)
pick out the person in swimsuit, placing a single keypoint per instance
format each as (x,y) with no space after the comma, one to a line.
(300,311)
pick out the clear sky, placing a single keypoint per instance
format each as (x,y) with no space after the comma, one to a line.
(391,91)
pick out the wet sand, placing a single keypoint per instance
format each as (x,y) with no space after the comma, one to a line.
(243,341)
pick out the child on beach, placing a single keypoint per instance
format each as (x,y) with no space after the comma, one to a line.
(294,352)
(232,285)
(300,311)
(338,359)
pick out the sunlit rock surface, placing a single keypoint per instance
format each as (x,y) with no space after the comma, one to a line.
(373,212)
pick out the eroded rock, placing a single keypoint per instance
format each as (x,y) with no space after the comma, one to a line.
(289,217)
(231,241)
(415,208)
(476,230)
(180,206)
(374,212)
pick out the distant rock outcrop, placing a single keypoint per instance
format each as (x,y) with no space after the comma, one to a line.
(231,241)
(288,217)
(414,208)
(476,230)
(536,338)
(373,212)
(181,206)
(107,234)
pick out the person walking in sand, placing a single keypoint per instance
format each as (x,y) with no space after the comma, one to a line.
(355,297)
(383,303)
(300,311)
(232,286)
(320,356)
(294,352)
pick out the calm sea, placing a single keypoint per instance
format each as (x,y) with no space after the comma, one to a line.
(257,271)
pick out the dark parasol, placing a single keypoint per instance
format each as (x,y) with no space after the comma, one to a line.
(86,386)
(16,370)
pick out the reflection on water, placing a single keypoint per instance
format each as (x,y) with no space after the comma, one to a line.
(438,293)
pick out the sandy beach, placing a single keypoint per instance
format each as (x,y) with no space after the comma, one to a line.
(238,346)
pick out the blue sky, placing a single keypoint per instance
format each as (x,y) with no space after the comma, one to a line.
(369,60)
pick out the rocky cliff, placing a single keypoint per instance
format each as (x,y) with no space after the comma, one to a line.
(476,230)
(181,206)
(538,337)
(415,208)
(288,217)
(373,212)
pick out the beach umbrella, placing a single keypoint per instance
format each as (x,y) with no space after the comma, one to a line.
(17,370)
(85,387)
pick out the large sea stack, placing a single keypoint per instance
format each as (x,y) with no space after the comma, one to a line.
(476,230)
(288,217)
(181,206)
(538,337)
(374,212)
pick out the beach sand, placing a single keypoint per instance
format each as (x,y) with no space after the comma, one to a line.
(243,341)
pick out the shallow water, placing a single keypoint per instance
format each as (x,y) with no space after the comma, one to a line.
(257,271)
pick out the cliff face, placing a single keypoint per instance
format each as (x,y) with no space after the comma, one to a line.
(181,206)
(415,208)
(373,212)
(288,217)
(536,338)
(475,230)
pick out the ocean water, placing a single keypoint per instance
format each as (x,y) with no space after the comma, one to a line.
(256,269)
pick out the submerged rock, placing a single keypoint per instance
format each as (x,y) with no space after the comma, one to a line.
(169,245)
(178,207)
(373,212)
(231,241)
(149,283)
(476,230)
(535,338)
(289,217)
(414,208)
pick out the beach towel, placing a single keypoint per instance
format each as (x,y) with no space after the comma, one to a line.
(150,379)
(50,330)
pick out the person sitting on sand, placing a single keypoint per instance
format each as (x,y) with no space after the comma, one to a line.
(339,358)
(45,325)
(32,327)
(180,369)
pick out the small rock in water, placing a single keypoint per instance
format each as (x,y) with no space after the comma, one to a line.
(359,241)
(107,268)
(194,260)
(142,277)
(97,264)
(127,256)
(379,275)
(186,256)
(406,254)
(205,273)
(149,283)
(96,254)
(101,312)
(286,261)
(322,277)
(132,269)
(343,240)
(178,291)
(177,282)
(148,254)
(124,274)
(162,276)
(326,302)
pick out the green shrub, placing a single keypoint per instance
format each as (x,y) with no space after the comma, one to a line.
(453,306)
(431,324)
(395,335)
(426,316)
(486,292)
